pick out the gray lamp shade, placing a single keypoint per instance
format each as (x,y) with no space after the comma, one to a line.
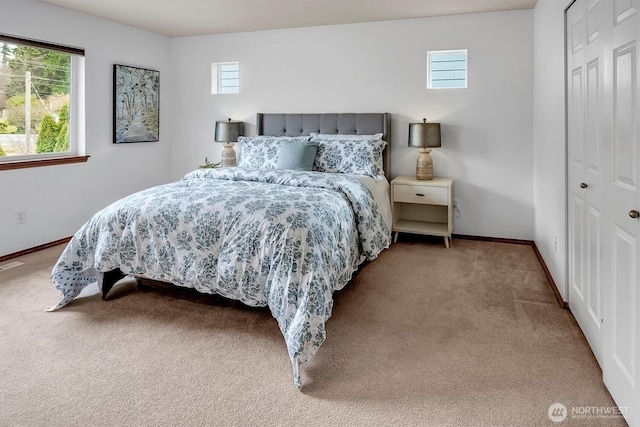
(424,135)
(228,131)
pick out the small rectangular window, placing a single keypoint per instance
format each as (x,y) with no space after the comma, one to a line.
(40,99)
(447,69)
(225,78)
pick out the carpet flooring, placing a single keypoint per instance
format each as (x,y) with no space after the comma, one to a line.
(422,336)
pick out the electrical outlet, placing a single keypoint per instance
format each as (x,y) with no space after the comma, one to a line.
(21,217)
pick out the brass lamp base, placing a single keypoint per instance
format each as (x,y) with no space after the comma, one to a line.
(229,155)
(424,165)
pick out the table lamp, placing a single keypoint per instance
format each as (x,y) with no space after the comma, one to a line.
(424,136)
(228,133)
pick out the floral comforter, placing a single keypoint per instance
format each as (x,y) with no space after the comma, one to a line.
(282,239)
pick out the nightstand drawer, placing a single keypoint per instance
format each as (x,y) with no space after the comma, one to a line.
(421,194)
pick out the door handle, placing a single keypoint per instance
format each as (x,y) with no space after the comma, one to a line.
(634,214)
(583,185)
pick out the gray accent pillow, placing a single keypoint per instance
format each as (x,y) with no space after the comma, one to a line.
(261,152)
(297,155)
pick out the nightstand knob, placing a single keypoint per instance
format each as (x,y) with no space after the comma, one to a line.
(583,185)
(419,194)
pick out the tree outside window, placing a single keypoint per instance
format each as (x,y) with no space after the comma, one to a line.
(35,86)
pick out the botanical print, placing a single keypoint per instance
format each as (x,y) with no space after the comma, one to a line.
(136,104)
(282,239)
(355,157)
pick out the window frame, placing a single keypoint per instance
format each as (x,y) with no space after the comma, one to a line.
(432,53)
(217,78)
(76,152)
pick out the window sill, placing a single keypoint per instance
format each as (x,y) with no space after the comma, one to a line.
(36,163)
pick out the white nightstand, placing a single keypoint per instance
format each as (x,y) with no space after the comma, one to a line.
(422,207)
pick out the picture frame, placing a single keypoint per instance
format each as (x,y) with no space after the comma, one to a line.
(136,104)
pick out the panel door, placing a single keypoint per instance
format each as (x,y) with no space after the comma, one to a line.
(621,369)
(587,163)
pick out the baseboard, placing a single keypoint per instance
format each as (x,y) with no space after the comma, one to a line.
(531,243)
(552,282)
(34,249)
(493,239)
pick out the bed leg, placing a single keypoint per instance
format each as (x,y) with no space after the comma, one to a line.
(109,279)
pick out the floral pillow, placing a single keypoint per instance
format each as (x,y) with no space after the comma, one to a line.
(354,157)
(261,152)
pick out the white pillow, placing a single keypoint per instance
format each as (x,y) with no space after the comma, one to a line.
(343,137)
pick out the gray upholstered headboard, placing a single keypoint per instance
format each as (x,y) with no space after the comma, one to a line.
(344,123)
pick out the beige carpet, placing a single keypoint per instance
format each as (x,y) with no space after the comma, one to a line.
(422,336)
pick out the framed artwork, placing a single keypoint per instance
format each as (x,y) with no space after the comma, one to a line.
(136,104)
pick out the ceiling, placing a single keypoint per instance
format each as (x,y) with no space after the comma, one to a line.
(203,17)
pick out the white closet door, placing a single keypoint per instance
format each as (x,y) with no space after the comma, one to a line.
(587,168)
(621,347)
(603,124)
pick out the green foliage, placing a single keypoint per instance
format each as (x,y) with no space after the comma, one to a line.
(15,111)
(209,165)
(49,70)
(2,153)
(49,87)
(16,100)
(47,135)
(64,114)
(62,139)
(5,127)
(54,137)
(5,53)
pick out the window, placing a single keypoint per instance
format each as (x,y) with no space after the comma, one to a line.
(225,78)
(40,100)
(447,69)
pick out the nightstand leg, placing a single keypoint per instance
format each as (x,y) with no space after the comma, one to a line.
(446,242)
(395,239)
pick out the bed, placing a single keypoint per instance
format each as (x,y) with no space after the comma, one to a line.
(261,233)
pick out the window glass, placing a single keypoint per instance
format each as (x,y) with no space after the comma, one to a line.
(447,69)
(35,100)
(225,77)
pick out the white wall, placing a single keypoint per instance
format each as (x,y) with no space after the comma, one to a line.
(374,67)
(381,67)
(59,199)
(549,166)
